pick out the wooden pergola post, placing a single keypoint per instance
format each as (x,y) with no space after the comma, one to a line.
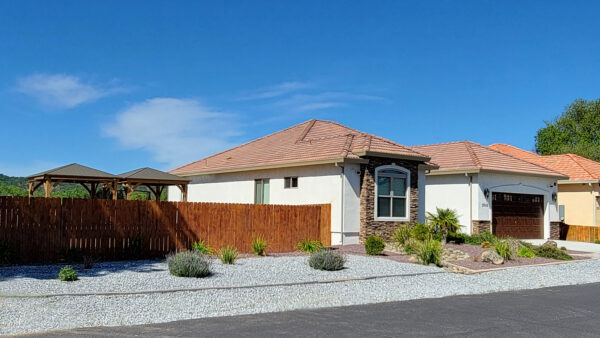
(183,188)
(48,187)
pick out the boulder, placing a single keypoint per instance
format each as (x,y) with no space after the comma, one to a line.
(492,257)
(514,246)
(413,259)
(550,243)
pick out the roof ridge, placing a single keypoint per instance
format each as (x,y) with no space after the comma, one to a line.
(441,143)
(241,145)
(530,162)
(347,145)
(572,156)
(310,125)
(514,147)
(472,154)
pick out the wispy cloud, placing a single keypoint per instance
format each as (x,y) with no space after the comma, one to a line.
(276,90)
(63,91)
(176,131)
(321,100)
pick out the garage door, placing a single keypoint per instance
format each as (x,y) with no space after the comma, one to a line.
(518,215)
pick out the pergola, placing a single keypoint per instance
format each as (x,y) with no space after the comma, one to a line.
(87,177)
(91,179)
(153,179)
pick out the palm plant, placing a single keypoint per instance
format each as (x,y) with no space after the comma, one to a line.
(444,221)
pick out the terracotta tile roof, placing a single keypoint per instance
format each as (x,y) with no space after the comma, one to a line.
(466,155)
(574,166)
(311,141)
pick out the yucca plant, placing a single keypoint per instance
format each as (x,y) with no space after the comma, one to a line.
(309,245)
(202,248)
(259,244)
(228,255)
(430,252)
(401,235)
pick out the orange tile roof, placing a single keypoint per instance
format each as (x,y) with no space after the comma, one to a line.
(466,155)
(574,166)
(311,141)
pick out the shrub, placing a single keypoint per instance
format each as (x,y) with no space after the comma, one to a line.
(401,235)
(444,220)
(202,248)
(228,255)
(563,248)
(548,251)
(189,264)
(430,251)
(411,246)
(475,258)
(374,245)
(503,249)
(259,244)
(486,244)
(309,245)
(478,239)
(420,231)
(597,241)
(327,259)
(67,274)
(455,237)
(526,252)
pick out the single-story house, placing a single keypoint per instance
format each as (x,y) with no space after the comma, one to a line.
(579,195)
(373,184)
(492,191)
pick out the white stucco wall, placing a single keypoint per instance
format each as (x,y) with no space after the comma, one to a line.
(517,184)
(316,185)
(452,192)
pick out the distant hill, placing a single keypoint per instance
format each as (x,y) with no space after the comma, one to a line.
(20,182)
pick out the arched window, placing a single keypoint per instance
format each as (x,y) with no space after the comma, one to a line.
(392,193)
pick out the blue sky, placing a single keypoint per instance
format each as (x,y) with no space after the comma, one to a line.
(119,85)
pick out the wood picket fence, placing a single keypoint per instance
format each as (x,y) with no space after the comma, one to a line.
(41,230)
(579,233)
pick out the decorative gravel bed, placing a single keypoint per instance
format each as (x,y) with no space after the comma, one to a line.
(476,251)
(20,315)
(154,275)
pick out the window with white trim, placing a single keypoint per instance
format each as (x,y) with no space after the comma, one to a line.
(392,192)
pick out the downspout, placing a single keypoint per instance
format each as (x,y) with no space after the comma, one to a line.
(342,206)
(470,202)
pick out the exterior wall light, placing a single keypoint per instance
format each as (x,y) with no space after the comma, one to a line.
(486,193)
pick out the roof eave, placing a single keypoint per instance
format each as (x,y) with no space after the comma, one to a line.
(439,172)
(578,181)
(274,166)
(415,157)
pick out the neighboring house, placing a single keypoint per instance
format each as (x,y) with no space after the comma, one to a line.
(578,196)
(492,191)
(319,162)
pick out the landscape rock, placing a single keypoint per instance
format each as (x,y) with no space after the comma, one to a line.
(492,256)
(550,243)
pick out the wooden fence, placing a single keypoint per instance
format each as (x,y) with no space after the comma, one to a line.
(45,229)
(580,233)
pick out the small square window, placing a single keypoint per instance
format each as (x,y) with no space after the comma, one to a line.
(290,182)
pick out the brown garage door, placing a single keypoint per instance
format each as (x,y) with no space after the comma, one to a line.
(518,215)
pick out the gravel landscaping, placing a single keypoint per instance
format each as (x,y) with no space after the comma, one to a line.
(20,315)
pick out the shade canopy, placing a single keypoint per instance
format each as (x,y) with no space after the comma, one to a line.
(91,179)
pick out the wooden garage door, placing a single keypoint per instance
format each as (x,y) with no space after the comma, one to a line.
(518,215)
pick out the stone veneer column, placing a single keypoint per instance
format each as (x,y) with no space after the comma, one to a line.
(481,226)
(555,230)
(368,225)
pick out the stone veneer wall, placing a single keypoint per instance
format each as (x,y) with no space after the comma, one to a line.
(555,230)
(368,225)
(481,226)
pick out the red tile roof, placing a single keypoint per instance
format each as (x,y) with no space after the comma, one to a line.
(574,166)
(311,141)
(466,155)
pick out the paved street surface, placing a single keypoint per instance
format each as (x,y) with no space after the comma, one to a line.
(567,311)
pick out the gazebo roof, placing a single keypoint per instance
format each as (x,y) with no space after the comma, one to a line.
(74,170)
(149,174)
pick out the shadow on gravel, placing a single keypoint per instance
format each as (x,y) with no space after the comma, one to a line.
(99,269)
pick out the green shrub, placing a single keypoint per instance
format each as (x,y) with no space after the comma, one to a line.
(477,239)
(401,235)
(526,252)
(228,255)
(189,264)
(420,231)
(503,249)
(67,274)
(374,245)
(430,251)
(411,246)
(486,244)
(202,248)
(327,259)
(455,237)
(597,241)
(444,220)
(309,245)
(259,244)
(7,253)
(548,251)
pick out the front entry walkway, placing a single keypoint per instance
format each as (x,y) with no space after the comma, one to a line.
(570,245)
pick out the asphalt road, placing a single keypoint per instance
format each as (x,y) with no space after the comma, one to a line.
(569,311)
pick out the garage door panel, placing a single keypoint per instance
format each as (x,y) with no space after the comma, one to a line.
(517,215)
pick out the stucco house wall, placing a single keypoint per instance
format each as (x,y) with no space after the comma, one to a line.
(451,192)
(580,203)
(316,184)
